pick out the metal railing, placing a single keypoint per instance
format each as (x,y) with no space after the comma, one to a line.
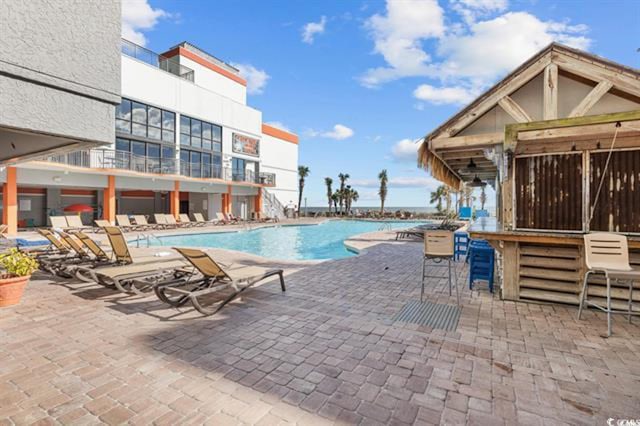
(124,160)
(169,65)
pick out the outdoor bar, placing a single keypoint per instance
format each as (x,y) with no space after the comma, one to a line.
(559,140)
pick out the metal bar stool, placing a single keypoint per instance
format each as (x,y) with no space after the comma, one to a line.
(608,254)
(438,247)
(460,245)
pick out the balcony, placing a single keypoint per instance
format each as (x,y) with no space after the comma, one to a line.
(169,65)
(122,160)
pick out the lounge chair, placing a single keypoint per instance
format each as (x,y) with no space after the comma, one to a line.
(121,277)
(141,221)
(65,266)
(233,218)
(222,218)
(170,221)
(101,223)
(200,219)
(213,278)
(74,222)
(123,222)
(161,221)
(58,222)
(57,248)
(185,221)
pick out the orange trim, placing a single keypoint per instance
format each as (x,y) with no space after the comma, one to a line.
(32,191)
(109,201)
(137,194)
(280,134)
(175,200)
(257,203)
(77,192)
(10,201)
(205,63)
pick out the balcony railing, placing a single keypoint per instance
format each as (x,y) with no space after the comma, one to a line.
(123,160)
(169,65)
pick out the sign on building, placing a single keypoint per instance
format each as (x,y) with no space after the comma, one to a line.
(245,145)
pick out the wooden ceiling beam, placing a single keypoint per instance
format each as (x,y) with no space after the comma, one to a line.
(470,142)
(550,93)
(585,132)
(592,97)
(512,108)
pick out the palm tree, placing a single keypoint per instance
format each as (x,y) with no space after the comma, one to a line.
(353,197)
(467,192)
(382,192)
(436,196)
(335,197)
(328,182)
(447,198)
(303,172)
(343,178)
(483,198)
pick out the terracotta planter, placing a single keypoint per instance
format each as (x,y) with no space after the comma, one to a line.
(11,289)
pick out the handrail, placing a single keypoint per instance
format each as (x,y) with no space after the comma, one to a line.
(169,65)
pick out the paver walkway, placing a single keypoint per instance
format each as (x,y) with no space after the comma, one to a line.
(326,351)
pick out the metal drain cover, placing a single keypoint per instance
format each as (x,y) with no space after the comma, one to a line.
(433,315)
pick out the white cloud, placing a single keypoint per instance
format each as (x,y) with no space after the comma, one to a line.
(398,38)
(405,150)
(311,29)
(339,132)
(464,58)
(398,182)
(256,78)
(279,125)
(139,16)
(444,95)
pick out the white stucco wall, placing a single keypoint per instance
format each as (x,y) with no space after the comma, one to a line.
(216,82)
(281,157)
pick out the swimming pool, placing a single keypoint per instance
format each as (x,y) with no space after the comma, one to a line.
(291,242)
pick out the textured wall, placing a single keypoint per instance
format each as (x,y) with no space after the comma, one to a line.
(53,54)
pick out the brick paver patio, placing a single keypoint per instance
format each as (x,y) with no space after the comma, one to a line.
(326,351)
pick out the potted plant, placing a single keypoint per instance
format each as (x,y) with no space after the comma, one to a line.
(18,267)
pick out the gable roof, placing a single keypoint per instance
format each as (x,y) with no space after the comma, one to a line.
(552,48)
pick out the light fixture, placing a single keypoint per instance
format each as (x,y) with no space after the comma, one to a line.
(57,179)
(477,183)
(470,169)
(203,188)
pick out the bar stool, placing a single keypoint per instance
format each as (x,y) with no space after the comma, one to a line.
(438,247)
(481,264)
(608,254)
(460,245)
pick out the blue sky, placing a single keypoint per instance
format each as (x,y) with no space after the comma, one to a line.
(360,80)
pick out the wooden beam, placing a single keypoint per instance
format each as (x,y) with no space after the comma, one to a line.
(622,81)
(502,89)
(550,93)
(590,100)
(512,108)
(510,271)
(590,131)
(470,141)
(551,146)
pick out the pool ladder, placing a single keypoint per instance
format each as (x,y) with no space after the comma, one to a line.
(385,227)
(147,238)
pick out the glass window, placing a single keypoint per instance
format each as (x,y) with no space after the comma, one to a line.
(139,130)
(195,164)
(217,160)
(185,125)
(196,128)
(206,144)
(123,110)
(168,136)
(153,150)
(217,147)
(185,139)
(197,142)
(138,148)
(184,162)
(123,126)
(185,155)
(206,131)
(139,112)
(168,152)
(154,133)
(216,132)
(122,145)
(168,121)
(155,117)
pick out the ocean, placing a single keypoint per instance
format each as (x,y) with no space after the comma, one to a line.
(376,209)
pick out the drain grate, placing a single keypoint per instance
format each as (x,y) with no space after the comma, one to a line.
(434,315)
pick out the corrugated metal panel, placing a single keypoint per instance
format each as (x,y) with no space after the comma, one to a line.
(618,206)
(434,315)
(549,192)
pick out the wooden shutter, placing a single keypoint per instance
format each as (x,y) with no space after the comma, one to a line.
(618,205)
(549,192)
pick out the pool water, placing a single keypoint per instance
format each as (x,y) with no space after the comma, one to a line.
(291,242)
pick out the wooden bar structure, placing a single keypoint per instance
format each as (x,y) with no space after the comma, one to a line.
(559,140)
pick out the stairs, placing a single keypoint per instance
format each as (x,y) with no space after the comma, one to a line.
(271,206)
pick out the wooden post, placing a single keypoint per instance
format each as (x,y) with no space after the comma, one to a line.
(510,279)
(174,201)
(109,200)
(10,202)
(550,93)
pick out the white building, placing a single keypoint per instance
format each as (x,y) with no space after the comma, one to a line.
(185,142)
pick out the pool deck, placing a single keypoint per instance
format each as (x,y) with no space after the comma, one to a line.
(325,352)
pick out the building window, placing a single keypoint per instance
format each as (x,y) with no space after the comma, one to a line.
(145,121)
(200,164)
(200,134)
(144,157)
